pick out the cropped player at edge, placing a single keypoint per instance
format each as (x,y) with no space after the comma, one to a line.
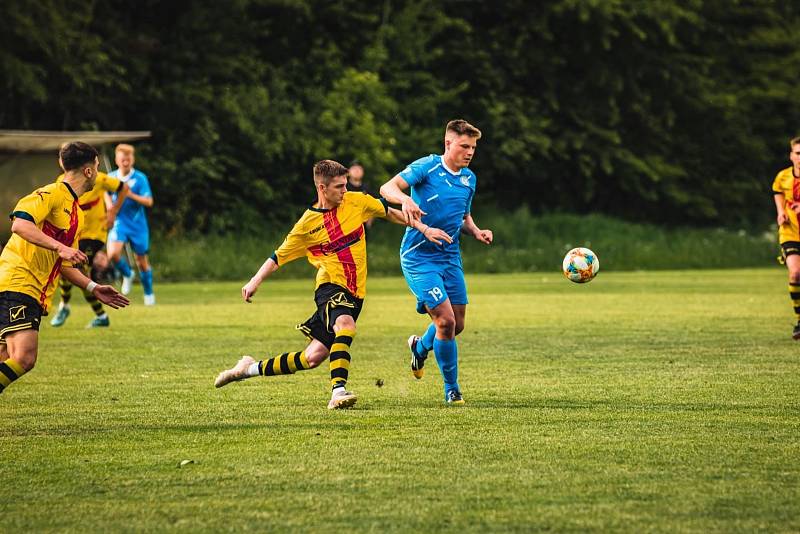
(330,234)
(442,188)
(786,189)
(45,229)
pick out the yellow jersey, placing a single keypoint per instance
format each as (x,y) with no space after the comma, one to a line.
(31,269)
(333,241)
(94,206)
(788,184)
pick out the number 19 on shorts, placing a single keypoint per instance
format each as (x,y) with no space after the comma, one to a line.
(436,294)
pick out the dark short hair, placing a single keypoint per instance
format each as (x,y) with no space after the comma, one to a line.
(76,154)
(326,170)
(794,141)
(462,127)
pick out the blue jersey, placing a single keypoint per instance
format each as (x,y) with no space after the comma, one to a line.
(132,215)
(446,198)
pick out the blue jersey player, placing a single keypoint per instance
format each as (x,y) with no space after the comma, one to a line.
(442,188)
(131,224)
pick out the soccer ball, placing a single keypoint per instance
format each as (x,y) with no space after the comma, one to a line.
(580,265)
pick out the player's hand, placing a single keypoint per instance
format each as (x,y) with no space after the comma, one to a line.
(782,219)
(249,290)
(484,236)
(411,211)
(72,255)
(435,235)
(110,297)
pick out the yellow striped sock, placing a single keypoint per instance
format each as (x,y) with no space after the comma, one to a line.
(286,364)
(340,357)
(9,371)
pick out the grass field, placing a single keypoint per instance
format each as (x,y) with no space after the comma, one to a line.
(640,402)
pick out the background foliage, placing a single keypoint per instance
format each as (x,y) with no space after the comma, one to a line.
(662,112)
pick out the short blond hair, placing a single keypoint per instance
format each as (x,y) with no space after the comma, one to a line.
(123,147)
(794,141)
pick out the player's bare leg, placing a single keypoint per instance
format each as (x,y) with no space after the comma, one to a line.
(793,264)
(20,350)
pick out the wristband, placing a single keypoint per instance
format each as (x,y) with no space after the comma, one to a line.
(91,285)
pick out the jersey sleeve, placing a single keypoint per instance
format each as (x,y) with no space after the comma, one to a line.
(294,245)
(109,183)
(776,184)
(374,207)
(417,171)
(34,207)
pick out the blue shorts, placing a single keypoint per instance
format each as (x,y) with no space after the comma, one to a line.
(432,284)
(139,238)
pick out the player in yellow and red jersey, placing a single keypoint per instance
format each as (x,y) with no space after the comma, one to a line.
(330,235)
(786,189)
(96,222)
(45,230)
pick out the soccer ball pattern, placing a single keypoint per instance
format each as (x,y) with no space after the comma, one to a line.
(580,265)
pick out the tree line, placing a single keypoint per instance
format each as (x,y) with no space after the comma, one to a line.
(667,112)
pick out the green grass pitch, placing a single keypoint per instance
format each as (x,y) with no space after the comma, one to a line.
(659,401)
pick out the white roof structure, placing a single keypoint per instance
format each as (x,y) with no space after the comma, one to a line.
(27,141)
(29,159)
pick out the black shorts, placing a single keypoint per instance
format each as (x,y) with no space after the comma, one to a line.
(90,247)
(332,301)
(790,247)
(18,311)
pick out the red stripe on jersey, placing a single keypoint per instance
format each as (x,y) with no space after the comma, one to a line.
(66,237)
(335,233)
(89,205)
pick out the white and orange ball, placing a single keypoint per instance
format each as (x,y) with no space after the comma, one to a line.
(580,265)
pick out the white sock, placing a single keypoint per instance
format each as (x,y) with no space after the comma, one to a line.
(253,369)
(103,315)
(61,305)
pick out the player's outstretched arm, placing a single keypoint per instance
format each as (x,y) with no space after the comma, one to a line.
(393,192)
(434,235)
(105,294)
(31,233)
(470,228)
(250,288)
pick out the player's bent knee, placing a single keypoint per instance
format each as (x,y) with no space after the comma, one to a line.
(316,353)
(446,325)
(344,322)
(26,359)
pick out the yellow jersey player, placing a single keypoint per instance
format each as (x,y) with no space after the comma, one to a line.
(96,222)
(330,235)
(45,231)
(786,189)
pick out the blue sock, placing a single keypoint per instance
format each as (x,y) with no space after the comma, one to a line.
(446,352)
(147,281)
(425,342)
(123,267)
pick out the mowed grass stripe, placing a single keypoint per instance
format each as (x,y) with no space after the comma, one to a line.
(642,401)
